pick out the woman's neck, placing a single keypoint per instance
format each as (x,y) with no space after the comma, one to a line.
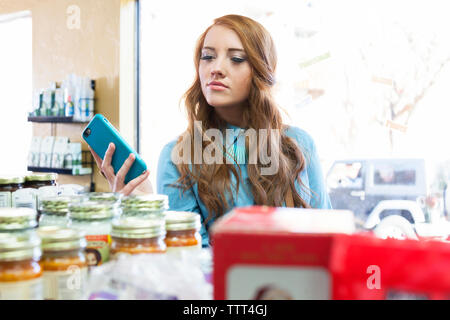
(231,114)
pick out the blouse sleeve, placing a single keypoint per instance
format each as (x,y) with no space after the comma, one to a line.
(167,175)
(319,194)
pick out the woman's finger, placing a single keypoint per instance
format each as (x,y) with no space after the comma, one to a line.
(125,168)
(130,186)
(97,159)
(106,164)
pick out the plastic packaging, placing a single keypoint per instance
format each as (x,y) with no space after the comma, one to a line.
(151,277)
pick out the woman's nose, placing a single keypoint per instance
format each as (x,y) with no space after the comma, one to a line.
(218,68)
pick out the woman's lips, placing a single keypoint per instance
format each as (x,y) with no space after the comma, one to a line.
(217,86)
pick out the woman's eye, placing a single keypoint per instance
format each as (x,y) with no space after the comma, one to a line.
(237,59)
(206,57)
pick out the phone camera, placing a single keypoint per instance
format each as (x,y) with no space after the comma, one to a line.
(87,132)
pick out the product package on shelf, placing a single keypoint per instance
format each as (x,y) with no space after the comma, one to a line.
(34,152)
(276,253)
(46,152)
(59,151)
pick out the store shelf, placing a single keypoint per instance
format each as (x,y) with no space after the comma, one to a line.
(57,170)
(54,119)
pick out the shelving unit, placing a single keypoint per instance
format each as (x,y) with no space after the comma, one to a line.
(54,119)
(87,159)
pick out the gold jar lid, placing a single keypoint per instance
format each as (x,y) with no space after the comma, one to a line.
(182,220)
(103,196)
(149,201)
(60,239)
(138,228)
(19,246)
(58,205)
(9,179)
(17,219)
(42,177)
(91,210)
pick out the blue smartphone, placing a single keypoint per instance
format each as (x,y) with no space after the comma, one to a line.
(99,133)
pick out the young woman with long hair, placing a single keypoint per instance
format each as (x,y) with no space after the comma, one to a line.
(205,172)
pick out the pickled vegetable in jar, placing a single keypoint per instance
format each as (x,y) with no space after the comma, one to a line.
(150,205)
(183,230)
(94,220)
(17,219)
(63,262)
(20,271)
(8,185)
(133,235)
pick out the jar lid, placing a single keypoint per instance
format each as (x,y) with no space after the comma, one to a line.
(9,179)
(137,228)
(17,219)
(19,246)
(151,201)
(182,220)
(103,196)
(142,212)
(91,210)
(58,205)
(59,239)
(42,177)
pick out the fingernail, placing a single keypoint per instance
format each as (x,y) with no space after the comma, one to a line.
(131,155)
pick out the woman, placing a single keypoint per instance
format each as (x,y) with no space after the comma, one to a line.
(235,63)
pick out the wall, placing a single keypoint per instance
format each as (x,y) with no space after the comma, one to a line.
(92,50)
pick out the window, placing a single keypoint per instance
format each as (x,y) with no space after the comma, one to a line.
(366,79)
(16,91)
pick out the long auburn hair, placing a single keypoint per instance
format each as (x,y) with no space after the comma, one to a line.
(214,180)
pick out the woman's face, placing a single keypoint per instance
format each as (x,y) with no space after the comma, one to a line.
(225,73)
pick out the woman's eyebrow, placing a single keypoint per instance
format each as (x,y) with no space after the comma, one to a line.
(230,49)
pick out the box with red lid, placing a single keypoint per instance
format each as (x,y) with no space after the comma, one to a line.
(365,267)
(276,253)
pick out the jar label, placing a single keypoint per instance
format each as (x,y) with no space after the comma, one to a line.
(24,198)
(22,290)
(5,199)
(65,285)
(97,249)
(177,250)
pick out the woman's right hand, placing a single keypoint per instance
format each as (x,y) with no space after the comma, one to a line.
(116,182)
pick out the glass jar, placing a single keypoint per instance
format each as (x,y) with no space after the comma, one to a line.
(54,210)
(37,180)
(44,192)
(134,235)
(20,271)
(63,262)
(150,205)
(8,185)
(17,219)
(183,230)
(94,220)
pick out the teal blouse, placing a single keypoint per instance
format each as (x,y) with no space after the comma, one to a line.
(311,177)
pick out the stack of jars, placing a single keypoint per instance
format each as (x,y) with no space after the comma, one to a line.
(20,252)
(23,191)
(80,232)
(145,226)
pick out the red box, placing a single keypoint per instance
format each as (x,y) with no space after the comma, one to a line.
(262,252)
(366,267)
(279,253)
